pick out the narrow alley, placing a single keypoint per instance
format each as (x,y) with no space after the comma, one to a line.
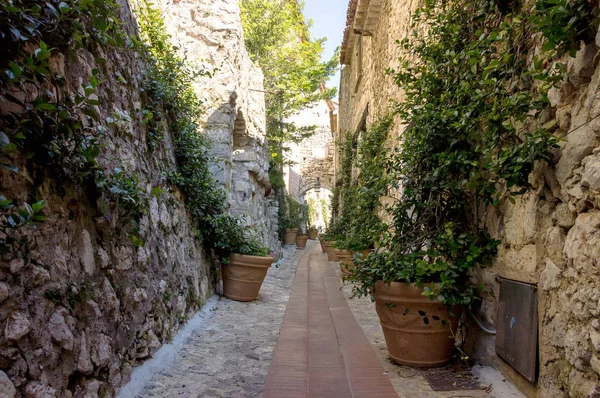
(299,198)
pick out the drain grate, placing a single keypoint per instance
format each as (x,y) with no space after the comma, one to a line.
(452,380)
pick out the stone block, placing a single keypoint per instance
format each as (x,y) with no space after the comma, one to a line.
(550,278)
(583,240)
(7,388)
(59,330)
(564,216)
(591,173)
(17,326)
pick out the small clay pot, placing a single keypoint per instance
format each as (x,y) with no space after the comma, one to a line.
(290,236)
(301,241)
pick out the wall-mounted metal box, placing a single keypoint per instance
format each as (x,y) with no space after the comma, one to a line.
(517,327)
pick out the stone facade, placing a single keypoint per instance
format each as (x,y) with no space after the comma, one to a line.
(550,236)
(84,302)
(313,157)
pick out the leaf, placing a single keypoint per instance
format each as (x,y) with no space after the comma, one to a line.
(46,106)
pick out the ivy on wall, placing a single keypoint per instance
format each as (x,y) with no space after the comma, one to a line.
(359,226)
(474,107)
(45,128)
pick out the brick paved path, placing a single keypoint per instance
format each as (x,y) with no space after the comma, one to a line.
(322,351)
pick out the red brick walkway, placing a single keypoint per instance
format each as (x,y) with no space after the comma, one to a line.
(322,351)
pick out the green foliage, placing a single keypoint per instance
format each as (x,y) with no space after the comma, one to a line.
(295,214)
(565,24)
(277,38)
(124,190)
(39,125)
(276,178)
(472,110)
(229,237)
(359,226)
(311,212)
(325,209)
(43,126)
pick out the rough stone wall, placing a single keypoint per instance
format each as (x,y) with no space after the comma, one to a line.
(210,32)
(550,236)
(84,303)
(365,88)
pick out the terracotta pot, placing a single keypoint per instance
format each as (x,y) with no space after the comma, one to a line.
(312,234)
(324,245)
(301,241)
(290,236)
(244,275)
(329,249)
(410,341)
(346,262)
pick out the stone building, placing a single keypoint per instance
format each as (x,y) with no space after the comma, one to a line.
(94,294)
(550,236)
(310,176)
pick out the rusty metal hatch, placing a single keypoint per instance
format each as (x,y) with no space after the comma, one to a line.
(517,327)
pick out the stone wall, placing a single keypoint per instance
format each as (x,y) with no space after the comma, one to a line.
(82,301)
(210,31)
(550,236)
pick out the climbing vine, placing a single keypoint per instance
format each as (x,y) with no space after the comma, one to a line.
(44,127)
(473,110)
(41,125)
(361,224)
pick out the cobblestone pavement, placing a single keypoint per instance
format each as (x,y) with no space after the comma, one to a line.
(408,382)
(230,354)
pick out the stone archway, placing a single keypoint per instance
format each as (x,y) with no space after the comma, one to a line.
(317,172)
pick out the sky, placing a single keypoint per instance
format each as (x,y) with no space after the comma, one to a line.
(329,20)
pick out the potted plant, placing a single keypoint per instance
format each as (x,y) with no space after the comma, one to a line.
(244,259)
(312,232)
(301,240)
(293,220)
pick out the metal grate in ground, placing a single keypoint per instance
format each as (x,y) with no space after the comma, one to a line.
(448,379)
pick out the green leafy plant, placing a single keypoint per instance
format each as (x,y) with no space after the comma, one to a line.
(472,108)
(359,222)
(295,214)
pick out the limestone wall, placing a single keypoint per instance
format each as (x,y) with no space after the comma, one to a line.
(550,236)
(210,32)
(82,301)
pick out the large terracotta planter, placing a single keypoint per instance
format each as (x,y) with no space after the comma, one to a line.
(312,234)
(301,241)
(410,341)
(324,245)
(290,236)
(244,275)
(345,259)
(329,249)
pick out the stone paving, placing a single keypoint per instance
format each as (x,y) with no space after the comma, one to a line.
(322,352)
(230,355)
